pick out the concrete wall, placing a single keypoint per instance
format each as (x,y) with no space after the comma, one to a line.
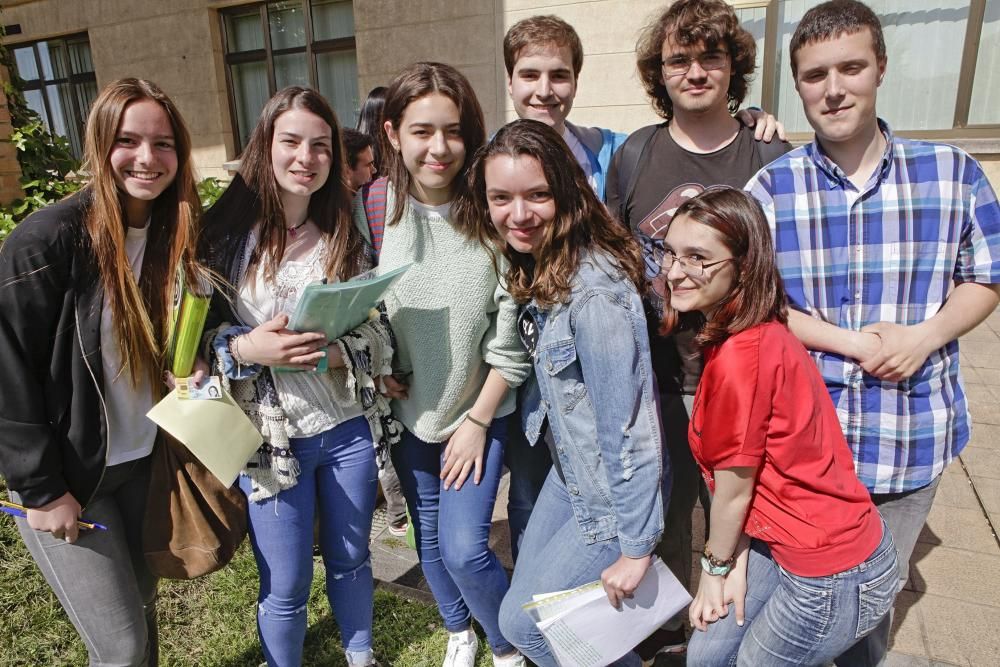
(469,34)
(175,44)
(608,93)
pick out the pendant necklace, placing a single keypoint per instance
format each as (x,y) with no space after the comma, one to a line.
(291,230)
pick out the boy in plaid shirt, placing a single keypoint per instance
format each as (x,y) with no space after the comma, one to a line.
(890,250)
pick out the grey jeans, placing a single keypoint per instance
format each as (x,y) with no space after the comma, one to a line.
(395,503)
(905,514)
(102,580)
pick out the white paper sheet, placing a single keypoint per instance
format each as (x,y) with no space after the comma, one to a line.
(584,630)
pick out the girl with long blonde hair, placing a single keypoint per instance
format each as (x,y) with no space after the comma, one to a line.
(86,288)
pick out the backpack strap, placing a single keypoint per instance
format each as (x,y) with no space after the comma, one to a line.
(768,152)
(373,196)
(631,154)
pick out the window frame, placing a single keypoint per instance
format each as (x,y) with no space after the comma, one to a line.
(267,54)
(41,84)
(960,129)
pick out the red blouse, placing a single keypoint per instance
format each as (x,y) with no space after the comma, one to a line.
(761,403)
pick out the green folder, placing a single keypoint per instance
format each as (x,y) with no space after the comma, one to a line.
(336,308)
(186,327)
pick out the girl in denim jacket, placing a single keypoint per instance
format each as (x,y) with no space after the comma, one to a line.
(600,512)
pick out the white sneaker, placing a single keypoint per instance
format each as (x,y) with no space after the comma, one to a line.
(515,659)
(462,647)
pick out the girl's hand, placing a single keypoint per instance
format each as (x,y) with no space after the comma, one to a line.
(709,604)
(58,517)
(272,344)
(463,453)
(622,578)
(199,372)
(395,388)
(735,587)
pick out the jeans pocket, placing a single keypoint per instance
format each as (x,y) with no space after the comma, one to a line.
(875,599)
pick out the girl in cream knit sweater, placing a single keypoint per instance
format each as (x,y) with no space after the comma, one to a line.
(458,353)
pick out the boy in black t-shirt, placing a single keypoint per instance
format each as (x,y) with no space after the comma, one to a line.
(695,61)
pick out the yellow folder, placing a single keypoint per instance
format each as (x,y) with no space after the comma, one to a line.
(216,431)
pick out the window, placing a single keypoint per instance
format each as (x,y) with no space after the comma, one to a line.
(59,84)
(292,42)
(933,85)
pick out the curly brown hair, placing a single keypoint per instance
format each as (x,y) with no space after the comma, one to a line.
(712,23)
(582,223)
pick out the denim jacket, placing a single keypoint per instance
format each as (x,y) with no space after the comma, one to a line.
(594,381)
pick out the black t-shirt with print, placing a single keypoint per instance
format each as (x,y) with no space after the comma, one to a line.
(665,177)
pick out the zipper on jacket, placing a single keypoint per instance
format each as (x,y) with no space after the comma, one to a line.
(104,406)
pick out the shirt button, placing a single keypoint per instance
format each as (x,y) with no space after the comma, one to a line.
(857,295)
(575,491)
(548,366)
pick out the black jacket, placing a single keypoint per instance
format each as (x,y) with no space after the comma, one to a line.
(53,428)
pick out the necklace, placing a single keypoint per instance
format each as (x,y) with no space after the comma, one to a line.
(291,230)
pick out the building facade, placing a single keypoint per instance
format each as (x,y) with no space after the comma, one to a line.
(221,59)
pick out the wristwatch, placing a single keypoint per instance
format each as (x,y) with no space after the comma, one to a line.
(715,570)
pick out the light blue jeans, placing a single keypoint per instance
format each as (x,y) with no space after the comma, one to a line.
(793,620)
(338,480)
(553,558)
(452,529)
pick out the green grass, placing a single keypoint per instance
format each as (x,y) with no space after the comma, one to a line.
(209,621)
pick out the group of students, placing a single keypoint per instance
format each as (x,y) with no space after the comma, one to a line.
(524,332)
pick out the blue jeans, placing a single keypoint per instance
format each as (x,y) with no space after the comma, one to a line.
(793,620)
(529,466)
(452,530)
(338,480)
(553,557)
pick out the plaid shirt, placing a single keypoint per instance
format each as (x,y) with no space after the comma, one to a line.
(886,253)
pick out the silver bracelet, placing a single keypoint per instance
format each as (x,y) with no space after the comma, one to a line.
(234,350)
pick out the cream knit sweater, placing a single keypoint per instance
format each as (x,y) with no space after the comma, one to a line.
(452,320)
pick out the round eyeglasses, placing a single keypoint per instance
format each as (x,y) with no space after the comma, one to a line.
(679,64)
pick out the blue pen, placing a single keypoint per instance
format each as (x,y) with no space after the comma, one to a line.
(18,510)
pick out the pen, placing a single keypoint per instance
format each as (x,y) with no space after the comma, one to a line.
(19,510)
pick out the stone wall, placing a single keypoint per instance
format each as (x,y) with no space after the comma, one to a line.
(10,170)
(178,45)
(175,44)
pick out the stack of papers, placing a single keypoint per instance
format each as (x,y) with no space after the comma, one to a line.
(583,629)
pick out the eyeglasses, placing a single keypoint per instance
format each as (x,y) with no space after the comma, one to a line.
(691,266)
(709,60)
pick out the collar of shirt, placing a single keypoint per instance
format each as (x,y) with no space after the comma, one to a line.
(836,175)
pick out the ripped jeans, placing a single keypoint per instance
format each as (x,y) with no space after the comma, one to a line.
(338,481)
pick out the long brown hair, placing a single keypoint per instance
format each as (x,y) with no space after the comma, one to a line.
(582,222)
(254,194)
(416,81)
(140,313)
(758,294)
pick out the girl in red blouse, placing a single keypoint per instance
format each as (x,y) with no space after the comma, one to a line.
(796,545)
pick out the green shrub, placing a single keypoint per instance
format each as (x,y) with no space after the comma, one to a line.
(209,190)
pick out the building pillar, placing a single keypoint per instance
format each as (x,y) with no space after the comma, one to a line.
(10,169)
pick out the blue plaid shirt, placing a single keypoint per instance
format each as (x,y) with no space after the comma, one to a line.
(886,253)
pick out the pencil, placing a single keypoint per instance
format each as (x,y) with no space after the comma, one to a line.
(20,510)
